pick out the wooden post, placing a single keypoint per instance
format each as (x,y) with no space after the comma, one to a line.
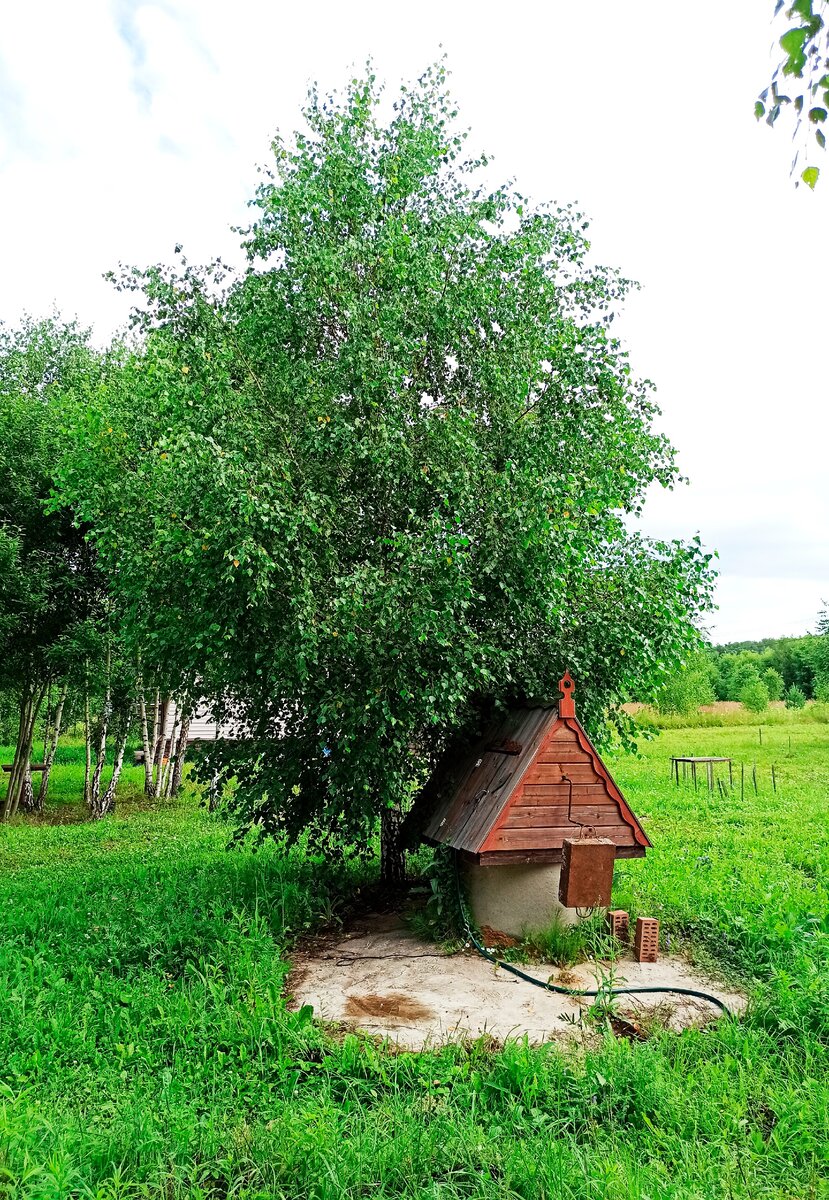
(754,776)
(773,778)
(694,774)
(730,775)
(760,731)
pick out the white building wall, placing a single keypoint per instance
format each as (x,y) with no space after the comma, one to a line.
(203,725)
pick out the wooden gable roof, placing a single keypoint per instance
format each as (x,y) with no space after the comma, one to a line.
(532,781)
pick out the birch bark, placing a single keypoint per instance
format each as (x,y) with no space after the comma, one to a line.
(107,801)
(149,784)
(87,733)
(20,793)
(160,726)
(49,757)
(12,796)
(103,728)
(181,754)
(165,774)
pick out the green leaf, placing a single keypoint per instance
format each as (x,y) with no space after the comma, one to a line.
(817,115)
(810,176)
(792,42)
(820,138)
(759,109)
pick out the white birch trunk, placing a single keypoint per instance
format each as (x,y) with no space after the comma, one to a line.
(181,754)
(166,772)
(12,796)
(158,740)
(20,793)
(51,749)
(149,784)
(87,733)
(103,728)
(107,803)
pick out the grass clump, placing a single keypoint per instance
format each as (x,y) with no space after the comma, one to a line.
(564,945)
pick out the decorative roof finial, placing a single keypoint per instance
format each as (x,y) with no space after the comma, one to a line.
(566,707)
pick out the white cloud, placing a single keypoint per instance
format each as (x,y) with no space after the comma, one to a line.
(128,126)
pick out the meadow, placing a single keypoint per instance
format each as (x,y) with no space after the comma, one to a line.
(146,1049)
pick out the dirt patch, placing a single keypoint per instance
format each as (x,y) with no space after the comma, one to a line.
(383,980)
(394,1004)
(496,940)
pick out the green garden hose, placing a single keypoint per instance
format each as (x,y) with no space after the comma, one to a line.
(564,991)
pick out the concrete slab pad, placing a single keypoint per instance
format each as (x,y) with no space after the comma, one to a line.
(382,979)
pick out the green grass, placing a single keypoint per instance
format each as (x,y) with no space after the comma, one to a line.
(146,1049)
(66,782)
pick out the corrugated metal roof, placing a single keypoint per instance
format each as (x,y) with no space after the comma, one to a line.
(475,787)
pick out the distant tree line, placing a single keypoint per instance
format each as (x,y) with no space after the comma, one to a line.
(753,673)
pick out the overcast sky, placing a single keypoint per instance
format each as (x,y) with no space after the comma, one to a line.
(129,125)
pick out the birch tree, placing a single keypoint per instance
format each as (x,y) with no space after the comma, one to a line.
(49,580)
(384,480)
(54,719)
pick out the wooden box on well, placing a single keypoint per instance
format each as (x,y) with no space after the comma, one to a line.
(586,872)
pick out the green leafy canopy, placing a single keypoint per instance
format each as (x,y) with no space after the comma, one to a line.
(381,481)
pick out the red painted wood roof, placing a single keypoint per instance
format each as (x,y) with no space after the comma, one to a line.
(532,781)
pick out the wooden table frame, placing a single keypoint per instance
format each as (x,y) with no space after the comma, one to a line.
(693,761)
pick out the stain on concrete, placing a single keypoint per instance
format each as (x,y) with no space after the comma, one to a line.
(392,1004)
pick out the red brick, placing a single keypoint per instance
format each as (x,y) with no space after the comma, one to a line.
(618,924)
(646,944)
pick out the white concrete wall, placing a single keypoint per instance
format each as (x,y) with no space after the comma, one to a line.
(516,899)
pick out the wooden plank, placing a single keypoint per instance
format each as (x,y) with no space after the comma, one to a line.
(471,821)
(539,816)
(467,811)
(547,838)
(561,733)
(552,793)
(556,772)
(544,817)
(502,858)
(563,754)
(553,772)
